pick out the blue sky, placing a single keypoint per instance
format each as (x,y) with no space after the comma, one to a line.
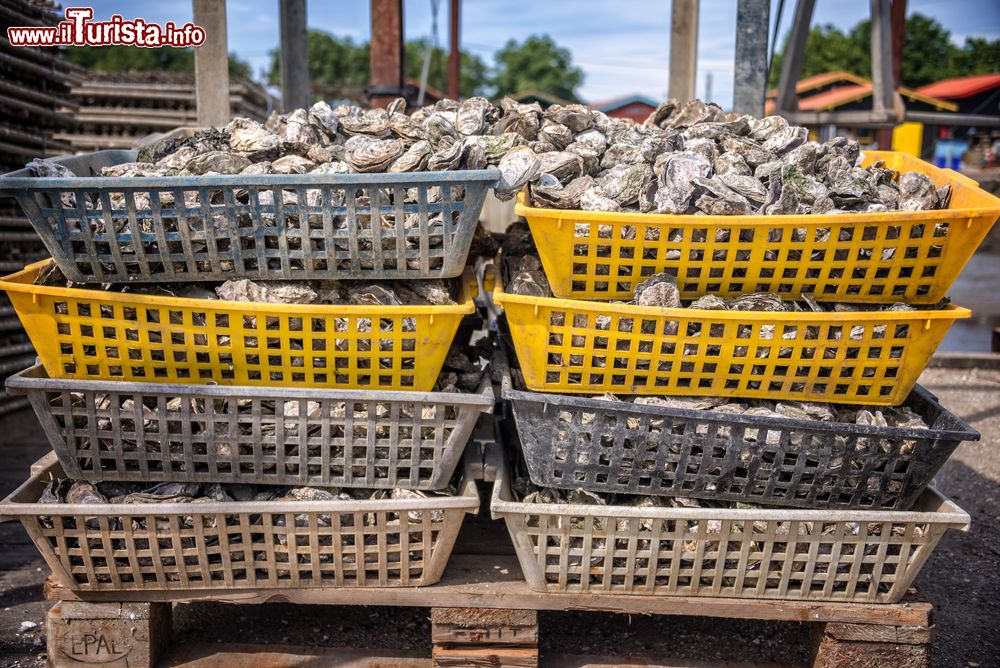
(622,47)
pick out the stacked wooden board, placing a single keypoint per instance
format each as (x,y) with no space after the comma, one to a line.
(35,105)
(113,110)
(35,83)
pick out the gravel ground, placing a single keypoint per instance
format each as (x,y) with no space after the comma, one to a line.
(962,578)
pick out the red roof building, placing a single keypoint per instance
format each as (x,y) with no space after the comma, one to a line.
(637,107)
(976,94)
(845,91)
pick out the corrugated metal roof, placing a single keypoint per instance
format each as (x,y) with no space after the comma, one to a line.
(615,103)
(961,87)
(820,80)
(837,97)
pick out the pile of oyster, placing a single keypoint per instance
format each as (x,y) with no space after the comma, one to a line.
(526,276)
(423,292)
(171,543)
(848,452)
(691,158)
(124,425)
(696,159)
(601,536)
(870,416)
(61,491)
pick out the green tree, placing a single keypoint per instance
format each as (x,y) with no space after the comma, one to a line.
(928,53)
(537,62)
(473,79)
(332,61)
(340,61)
(138,59)
(828,49)
(979,56)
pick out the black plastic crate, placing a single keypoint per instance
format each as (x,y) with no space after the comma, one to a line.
(573,442)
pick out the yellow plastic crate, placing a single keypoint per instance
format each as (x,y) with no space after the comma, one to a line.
(586,347)
(97,335)
(867,257)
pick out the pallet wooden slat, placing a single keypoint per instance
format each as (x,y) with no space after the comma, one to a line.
(496,582)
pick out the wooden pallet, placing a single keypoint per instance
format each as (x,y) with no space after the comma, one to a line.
(482,614)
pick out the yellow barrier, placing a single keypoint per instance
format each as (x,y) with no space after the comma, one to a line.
(97,335)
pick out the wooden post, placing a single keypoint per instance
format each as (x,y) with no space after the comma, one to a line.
(483,637)
(898,38)
(882,88)
(211,63)
(454,53)
(750,78)
(386,52)
(791,65)
(295,92)
(898,29)
(840,645)
(114,635)
(683,49)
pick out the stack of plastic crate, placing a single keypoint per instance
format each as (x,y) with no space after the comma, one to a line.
(791,508)
(138,387)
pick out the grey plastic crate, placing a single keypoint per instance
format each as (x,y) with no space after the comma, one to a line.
(578,442)
(227,545)
(118,430)
(760,553)
(195,228)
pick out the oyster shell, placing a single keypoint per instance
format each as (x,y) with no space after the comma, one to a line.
(916,192)
(372,123)
(373,155)
(758,301)
(218,162)
(250,138)
(623,183)
(658,290)
(530,284)
(474,116)
(414,159)
(269,292)
(676,173)
(517,167)
(593,199)
(563,165)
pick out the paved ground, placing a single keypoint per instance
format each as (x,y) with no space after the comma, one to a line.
(962,578)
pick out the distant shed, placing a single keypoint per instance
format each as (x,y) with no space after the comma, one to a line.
(545,100)
(637,107)
(976,94)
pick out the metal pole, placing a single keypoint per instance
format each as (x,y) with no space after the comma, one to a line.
(386,52)
(750,78)
(898,29)
(683,49)
(791,65)
(882,88)
(295,93)
(454,54)
(898,37)
(211,63)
